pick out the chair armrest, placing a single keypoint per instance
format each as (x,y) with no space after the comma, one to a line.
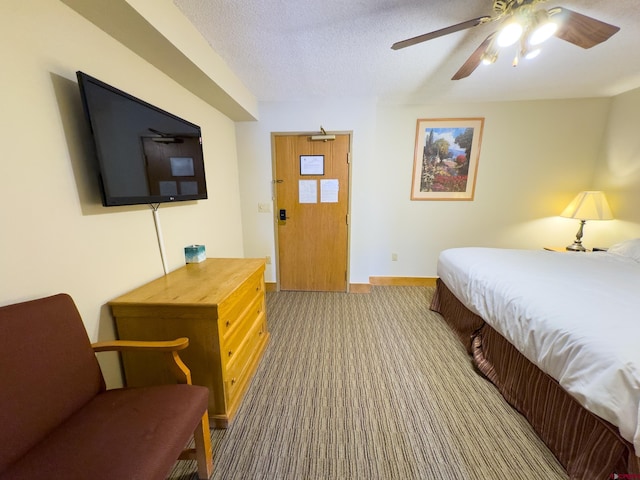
(132,345)
(170,347)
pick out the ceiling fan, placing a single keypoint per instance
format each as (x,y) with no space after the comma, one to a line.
(521,21)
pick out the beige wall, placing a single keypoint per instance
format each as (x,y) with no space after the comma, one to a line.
(535,157)
(56,237)
(618,167)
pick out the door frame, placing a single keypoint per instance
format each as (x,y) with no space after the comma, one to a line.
(275,199)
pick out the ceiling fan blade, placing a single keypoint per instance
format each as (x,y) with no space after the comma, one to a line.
(474,60)
(440,33)
(581,30)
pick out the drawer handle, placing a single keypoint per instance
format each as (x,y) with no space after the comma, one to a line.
(228,323)
(230,353)
(233,381)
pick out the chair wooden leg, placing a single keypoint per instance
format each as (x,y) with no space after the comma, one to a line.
(204,453)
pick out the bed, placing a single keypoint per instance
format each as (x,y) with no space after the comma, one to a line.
(558,334)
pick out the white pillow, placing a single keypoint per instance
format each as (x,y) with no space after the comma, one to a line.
(628,248)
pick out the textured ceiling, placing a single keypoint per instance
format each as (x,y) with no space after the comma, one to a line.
(302,49)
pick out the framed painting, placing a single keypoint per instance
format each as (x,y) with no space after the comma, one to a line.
(446,157)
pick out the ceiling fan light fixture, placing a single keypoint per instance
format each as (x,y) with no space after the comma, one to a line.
(542,31)
(490,55)
(523,21)
(489,58)
(532,53)
(509,34)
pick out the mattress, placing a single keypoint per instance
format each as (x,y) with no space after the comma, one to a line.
(574,315)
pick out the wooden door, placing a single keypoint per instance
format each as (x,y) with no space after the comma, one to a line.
(311,208)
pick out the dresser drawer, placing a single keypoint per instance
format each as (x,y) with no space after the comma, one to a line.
(237,369)
(235,350)
(230,313)
(232,342)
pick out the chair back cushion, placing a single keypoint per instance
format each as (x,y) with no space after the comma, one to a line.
(47,371)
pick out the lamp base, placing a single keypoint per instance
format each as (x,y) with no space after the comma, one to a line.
(576,247)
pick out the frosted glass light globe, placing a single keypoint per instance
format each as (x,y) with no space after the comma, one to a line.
(510,34)
(542,33)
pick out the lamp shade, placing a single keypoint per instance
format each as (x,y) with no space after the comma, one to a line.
(590,205)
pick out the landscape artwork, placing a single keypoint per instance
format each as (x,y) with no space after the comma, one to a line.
(446,158)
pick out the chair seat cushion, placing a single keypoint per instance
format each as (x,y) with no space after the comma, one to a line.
(131,433)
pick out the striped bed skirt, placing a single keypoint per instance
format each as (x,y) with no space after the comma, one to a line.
(587,446)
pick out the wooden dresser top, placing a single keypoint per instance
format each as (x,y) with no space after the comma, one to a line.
(203,284)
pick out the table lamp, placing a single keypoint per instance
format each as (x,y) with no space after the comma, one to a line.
(591,205)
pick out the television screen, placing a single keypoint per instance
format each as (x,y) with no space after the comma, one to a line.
(145,154)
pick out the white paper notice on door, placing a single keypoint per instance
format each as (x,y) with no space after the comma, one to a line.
(329,191)
(308,191)
(311,164)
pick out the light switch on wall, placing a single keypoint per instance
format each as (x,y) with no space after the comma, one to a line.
(264,207)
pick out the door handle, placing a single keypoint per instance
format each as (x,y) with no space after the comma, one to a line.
(283,214)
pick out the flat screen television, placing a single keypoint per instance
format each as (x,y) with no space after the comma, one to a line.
(145,155)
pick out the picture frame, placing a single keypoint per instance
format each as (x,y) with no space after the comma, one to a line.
(446,155)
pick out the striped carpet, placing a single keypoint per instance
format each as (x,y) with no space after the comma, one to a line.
(371,386)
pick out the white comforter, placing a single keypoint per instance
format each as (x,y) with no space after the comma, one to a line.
(575,315)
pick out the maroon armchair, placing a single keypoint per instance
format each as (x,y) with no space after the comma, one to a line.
(58,421)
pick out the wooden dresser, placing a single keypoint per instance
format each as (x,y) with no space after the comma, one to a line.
(219,304)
